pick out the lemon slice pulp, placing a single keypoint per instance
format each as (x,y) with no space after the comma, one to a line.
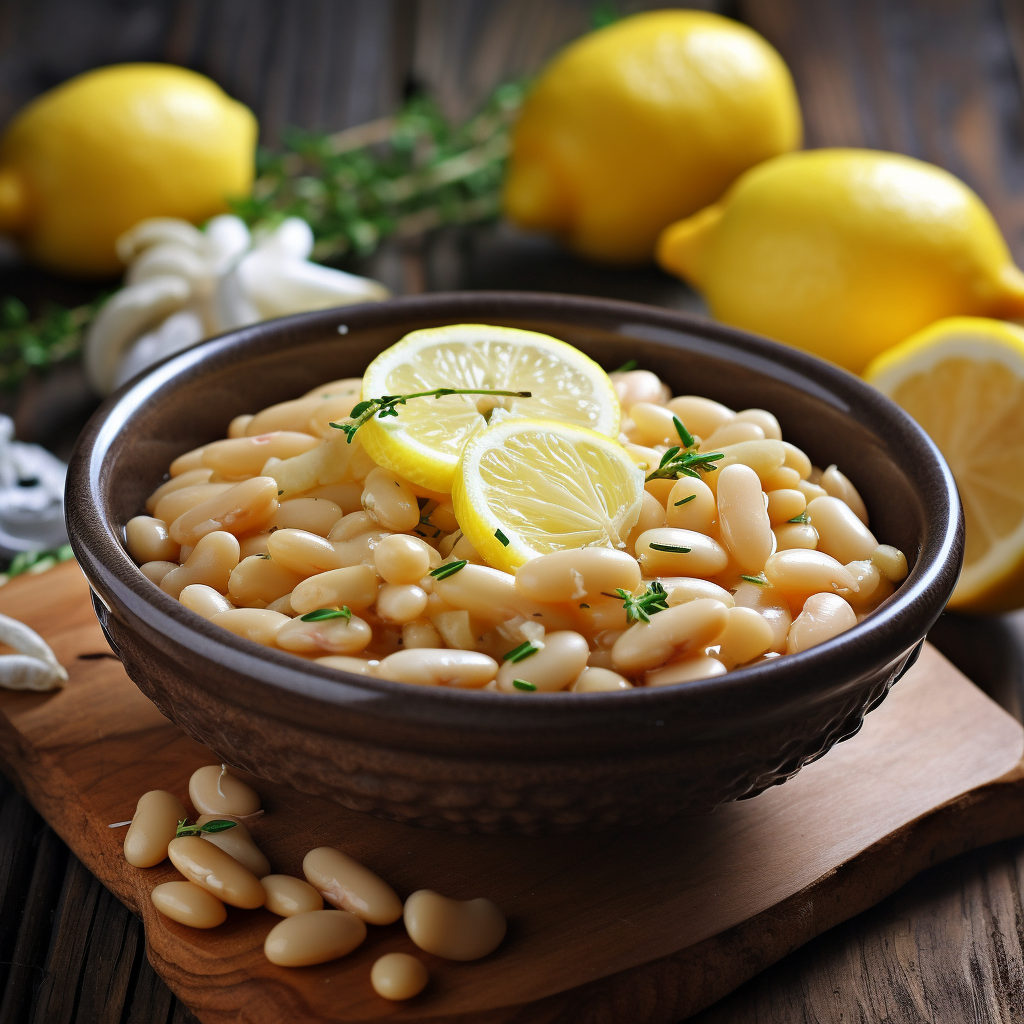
(424,441)
(528,487)
(962,379)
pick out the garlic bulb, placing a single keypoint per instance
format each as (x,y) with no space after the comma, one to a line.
(184,285)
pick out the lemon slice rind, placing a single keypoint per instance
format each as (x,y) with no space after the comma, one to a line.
(544,486)
(424,442)
(963,380)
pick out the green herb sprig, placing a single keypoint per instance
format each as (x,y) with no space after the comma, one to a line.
(524,650)
(524,684)
(211,827)
(684,459)
(324,614)
(803,517)
(442,572)
(387,405)
(760,579)
(397,176)
(640,609)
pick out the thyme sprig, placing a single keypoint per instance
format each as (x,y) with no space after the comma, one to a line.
(387,405)
(684,459)
(640,609)
(219,825)
(760,579)
(323,614)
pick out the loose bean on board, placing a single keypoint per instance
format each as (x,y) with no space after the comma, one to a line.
(153,826)
(287,896)
(398,976)
(314,937)
(236,842)
(188,904)
(348,885)
(214,790)
(453,929)
(216,871)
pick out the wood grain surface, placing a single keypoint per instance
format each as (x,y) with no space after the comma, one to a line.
(682,913)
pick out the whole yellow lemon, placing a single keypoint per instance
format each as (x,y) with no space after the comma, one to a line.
(89,159)
(845,252)
(643,122)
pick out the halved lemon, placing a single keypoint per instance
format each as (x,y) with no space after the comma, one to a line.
(962,379)
(528,487)
(424,441)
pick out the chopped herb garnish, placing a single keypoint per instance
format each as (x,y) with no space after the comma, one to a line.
(584,605)
(676,463)
(683,501)
(501,537)
(629,364)
(323,614)
(802,518)
(760,579)
(676,549)
(684,435)
(524,650)
(640,609)
(279,493)
(387,405)
(442,572)
(219,825)
(523,684)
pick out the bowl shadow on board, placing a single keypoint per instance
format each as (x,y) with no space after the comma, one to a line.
(486,762)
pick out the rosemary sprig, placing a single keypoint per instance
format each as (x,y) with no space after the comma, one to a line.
(675,549)
(683,501)
(760,579)
(185,829)
(401,175)
(387,405)
(640,609)
(323,614)
(524,650)
(677,462)
(442,572)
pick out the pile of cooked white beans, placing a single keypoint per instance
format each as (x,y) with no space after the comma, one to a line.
(286,534)
(226,867)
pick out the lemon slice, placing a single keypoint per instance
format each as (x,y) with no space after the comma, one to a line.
(528,487)
(962,379)
(424,441)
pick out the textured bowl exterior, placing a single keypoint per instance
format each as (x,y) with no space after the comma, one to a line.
(487,762)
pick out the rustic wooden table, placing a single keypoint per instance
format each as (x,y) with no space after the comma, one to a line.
(938,79)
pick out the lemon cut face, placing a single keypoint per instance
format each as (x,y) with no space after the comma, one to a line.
(963,380)
(424,442)
(528,487)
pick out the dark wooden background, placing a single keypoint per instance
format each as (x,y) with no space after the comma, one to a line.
(937,79)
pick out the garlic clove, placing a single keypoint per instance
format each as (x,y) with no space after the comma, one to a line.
(179,331)
(227,239)
(26,641)
(292,239)
(280,287)
(171,259)
(128,314)
(154,230)
(20,672)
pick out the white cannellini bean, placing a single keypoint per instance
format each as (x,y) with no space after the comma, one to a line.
(840,533)
(769,604)
(453,929)
(690,505)
(577,574)
(670,552)
(678,631)
(891,562)
(557,662)
(743,519)
(839,486)
(688,670)
(681,589)
(600,680)
(823,617)
(797,572)
(700,416)
(426,667)
(764,419)
(746,636)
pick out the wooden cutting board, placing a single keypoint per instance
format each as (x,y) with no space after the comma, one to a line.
(638,927)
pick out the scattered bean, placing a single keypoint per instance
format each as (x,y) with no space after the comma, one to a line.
(453,929)
(313,937)
(188,904)
(349,885)
(153,826)
(214,790)
(398,976)
(287,896)
(236,842)
(216,871)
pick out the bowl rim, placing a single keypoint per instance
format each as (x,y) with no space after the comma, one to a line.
(885,635)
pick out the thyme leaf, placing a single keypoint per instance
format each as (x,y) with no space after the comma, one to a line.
(211,827)
(323,614)
(442,572)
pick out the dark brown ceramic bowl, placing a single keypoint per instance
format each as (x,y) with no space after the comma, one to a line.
(488,762)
